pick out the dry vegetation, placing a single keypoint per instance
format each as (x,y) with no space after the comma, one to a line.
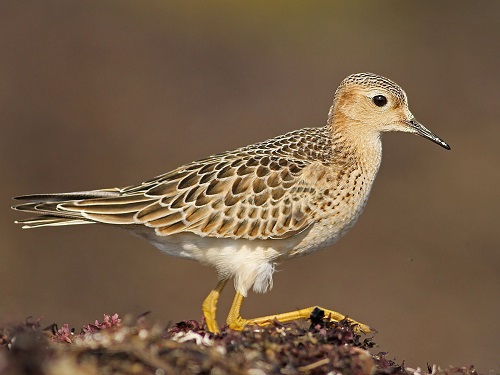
(134,346)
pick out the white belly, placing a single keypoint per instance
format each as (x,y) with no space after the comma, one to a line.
(250,262)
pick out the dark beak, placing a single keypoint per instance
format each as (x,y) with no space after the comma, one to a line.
(426,133)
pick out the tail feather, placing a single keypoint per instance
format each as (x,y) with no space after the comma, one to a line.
(50,208)
(77,195)
(45,221)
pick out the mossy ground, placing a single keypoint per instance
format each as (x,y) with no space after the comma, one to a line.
(135,346)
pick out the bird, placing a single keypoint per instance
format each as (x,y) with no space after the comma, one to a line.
(244,211)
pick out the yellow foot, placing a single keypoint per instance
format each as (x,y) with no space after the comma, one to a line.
(209,307)
(236,322)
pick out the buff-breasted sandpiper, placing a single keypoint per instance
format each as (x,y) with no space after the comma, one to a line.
(245,210)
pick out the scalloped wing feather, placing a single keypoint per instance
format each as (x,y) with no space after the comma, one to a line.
(258,191)
(269,200)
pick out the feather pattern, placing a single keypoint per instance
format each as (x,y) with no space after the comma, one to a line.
(257,191)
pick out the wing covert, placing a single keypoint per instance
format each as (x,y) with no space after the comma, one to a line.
(246,197)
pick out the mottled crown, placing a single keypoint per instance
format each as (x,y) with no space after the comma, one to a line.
(371,80)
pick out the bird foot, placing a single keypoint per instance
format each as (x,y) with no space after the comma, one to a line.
(236,322)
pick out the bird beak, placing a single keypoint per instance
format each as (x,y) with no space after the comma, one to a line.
(421,130)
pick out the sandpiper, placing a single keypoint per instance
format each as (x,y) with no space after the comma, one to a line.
(245,210)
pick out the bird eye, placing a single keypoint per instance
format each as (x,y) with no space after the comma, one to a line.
(379,100)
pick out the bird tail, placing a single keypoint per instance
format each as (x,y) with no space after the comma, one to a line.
(51,209)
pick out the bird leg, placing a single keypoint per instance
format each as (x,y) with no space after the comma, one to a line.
(209,306)
(236,322)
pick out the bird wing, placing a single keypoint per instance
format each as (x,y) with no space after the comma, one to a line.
(259,191)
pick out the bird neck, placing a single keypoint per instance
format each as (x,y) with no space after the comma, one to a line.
(355,141)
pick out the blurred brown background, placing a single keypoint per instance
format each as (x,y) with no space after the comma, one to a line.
(108,93)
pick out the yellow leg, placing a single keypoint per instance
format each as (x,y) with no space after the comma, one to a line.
(209,306)
(236,322)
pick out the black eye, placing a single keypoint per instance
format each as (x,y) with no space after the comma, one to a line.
(379,100)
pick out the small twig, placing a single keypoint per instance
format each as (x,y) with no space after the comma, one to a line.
(314,365)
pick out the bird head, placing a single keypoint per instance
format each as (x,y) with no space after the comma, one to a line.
(371,104)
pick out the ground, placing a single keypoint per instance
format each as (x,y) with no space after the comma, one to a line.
(133,345)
